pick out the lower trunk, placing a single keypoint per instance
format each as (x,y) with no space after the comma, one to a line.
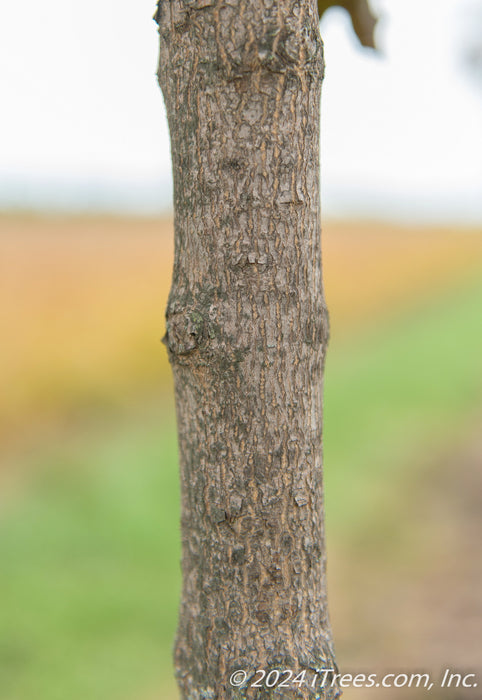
(246,332)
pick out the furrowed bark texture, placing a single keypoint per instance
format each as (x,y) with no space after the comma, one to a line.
(246,334)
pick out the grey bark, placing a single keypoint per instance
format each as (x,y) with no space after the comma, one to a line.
(247,330)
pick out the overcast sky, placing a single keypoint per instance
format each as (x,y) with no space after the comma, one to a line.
(83,124)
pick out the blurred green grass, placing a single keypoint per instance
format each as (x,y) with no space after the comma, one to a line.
(89,548)
(395,392)
(89,579)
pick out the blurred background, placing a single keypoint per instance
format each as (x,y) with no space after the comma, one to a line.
(89,540)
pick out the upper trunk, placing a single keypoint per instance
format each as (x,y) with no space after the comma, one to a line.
(246,332)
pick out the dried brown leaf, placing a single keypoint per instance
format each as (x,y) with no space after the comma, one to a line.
(362,18)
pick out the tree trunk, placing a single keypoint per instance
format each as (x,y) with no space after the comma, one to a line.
(247,330)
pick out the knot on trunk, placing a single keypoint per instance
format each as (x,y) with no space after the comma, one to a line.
(185,332)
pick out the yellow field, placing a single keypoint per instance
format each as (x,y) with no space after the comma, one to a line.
(82,299)
(377,269)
